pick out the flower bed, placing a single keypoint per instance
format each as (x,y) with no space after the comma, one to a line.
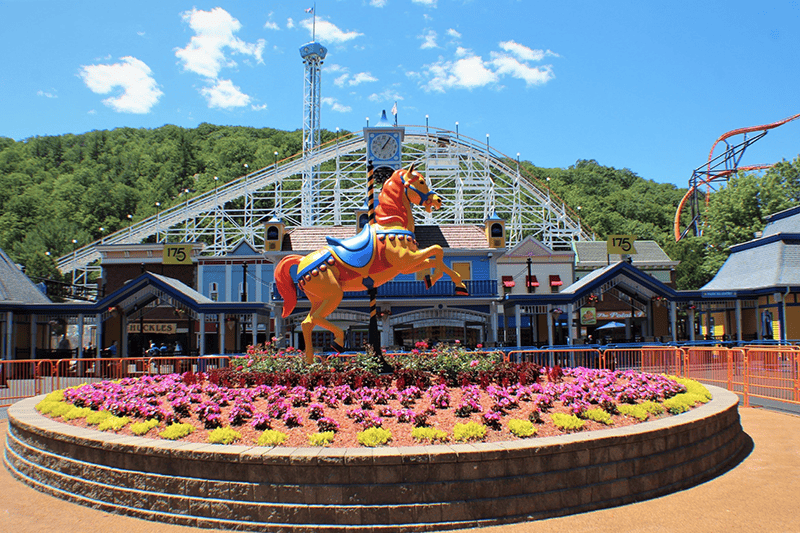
(291,409)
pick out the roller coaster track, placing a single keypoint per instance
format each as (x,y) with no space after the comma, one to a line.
(475,180)
(718,169)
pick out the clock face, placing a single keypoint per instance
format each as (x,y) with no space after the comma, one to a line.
(383,146)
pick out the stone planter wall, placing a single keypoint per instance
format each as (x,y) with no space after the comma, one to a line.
(388,489)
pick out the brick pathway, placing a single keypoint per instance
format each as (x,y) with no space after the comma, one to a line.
(760,494)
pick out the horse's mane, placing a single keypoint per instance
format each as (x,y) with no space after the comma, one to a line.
(393,208)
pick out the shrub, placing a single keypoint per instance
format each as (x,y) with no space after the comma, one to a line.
(327,425)
(521,428)
(654,408)
(567,422)
(374,436)
(76,412)
(321,439)
(598,415)
(426,434)
(113,423)
(634,411)
(694,387)
(680,403)
(224,436)
(60,408)
(140,428)
(46,406)
(176,431)
(271,437)
(95,417)
(469,431)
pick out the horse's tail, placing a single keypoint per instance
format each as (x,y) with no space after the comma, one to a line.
(286,286)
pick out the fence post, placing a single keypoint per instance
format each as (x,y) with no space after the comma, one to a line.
(746,385)
(729,368)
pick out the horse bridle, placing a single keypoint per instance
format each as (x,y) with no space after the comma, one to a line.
(422,195)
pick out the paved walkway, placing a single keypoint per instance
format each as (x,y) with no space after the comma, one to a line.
(758,495)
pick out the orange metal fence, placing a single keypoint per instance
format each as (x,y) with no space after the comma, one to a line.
(768,372)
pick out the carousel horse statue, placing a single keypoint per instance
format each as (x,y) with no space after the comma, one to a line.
(382,250)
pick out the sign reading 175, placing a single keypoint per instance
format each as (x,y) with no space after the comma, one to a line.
(620,244)
(177,254)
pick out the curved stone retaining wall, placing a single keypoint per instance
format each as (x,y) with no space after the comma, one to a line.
(387,489)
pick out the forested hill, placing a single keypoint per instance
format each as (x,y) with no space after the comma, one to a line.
(57,189)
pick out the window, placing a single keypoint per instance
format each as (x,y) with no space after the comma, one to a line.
(555,282)
(213,291)
(272,233)
(464,269)
(531,283)
(497,230)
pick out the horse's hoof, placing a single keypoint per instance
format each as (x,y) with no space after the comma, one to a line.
(428,283)
(462,291)
(338,348)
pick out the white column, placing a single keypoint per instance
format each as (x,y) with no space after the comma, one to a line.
(98,340)
(673,320)
(493,323)
(738,320)
(570,325)
(518,319)
(123,350)
(550,319)
(691,324)
(254,325)
(385,331)
(221,327)
(202,320)
(80,336)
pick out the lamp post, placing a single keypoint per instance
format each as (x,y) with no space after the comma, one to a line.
(130,225)
(456,129)
(528,287)
(74,258)
(276,160)
(102,234)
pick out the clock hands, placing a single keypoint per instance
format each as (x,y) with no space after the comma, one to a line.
(388,140)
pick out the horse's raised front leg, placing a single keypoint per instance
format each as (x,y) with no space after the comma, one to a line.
(432,257)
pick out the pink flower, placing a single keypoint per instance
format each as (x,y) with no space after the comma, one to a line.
(240,367)
(458,341)
(479,346)
(473,363)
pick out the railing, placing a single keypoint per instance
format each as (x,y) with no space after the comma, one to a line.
(415,289)
(768,372)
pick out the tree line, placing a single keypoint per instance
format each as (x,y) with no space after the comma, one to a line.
(61,192)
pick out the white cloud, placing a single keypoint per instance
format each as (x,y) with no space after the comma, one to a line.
(258,107)
(214,34)
(469,71)
(377,3)
(386,96)
(532,75)
(335,105)
(429,3)
(140,91)
(453,34)
(428,40)
(523,53)
(341,80)
(270,25)
(47,94)
(328,32)
(362,77)
(466,73)
(289,23)
(225,95)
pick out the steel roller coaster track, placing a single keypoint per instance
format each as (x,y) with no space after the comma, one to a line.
(720,169)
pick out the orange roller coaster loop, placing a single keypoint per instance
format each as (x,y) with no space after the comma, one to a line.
(730,160)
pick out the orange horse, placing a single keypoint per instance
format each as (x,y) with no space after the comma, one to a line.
(381,251)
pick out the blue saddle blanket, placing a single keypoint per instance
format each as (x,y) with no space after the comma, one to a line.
(355,251)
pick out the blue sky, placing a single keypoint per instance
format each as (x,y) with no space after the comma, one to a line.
(647,86)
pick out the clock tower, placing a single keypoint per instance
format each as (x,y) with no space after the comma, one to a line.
(384,147)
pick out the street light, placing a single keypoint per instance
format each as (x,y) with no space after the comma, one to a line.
(74,258)
(276,160)
(102,234)
(130,225)
(456,128)
(158,219)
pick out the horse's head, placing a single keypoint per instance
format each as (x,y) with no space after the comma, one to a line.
(417,190)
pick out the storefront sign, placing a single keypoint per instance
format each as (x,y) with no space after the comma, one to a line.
(177,254)
(620,244)
(588,316)
(164,328)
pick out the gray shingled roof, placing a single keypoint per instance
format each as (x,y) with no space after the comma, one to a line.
(183,288)
(787,221)
(773,264)
(593,254)
(15,287)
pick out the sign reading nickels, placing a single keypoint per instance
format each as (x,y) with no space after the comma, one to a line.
(165,328)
